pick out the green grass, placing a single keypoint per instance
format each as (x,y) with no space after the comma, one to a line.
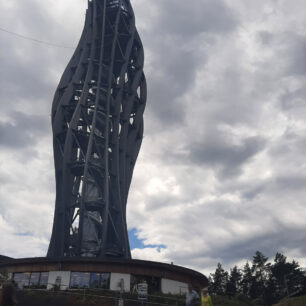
(110,298)
(296,301)
(235,301)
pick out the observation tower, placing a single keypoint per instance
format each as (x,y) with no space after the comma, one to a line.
(97,122)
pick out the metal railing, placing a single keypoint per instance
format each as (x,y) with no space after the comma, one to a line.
(110,297)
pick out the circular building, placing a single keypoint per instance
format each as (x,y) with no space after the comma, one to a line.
(113,274)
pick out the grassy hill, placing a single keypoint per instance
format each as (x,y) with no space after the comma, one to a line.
(50,298)
(226,301)
(296,301)
(242,301)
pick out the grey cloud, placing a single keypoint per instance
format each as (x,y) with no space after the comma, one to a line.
(282,183)
(265,37)
(22,131)
(290,49)
(6,179)
(269,244)
(242,92)
(161,200)
(290,182)
(252,192)
(178,55)
(236,95)
(188,19)
(35,123)
(173,77)
(32,19)
(26,66)
(220,152)
(294,99)
(289,148)
(24,78)
(269,238)
(297,51)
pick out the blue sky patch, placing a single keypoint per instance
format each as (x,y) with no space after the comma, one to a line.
(136,243)
(26,234)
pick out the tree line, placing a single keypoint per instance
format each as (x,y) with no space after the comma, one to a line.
(260,280)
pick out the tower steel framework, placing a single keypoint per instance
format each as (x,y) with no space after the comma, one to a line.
(97,122)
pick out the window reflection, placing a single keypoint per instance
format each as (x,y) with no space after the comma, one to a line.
(99,280)
(43,282)
(34,279)
(105,279)
(94,280)
(22,279)
(89,280)
(79,280)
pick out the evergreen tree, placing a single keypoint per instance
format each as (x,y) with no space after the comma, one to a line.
(261,274)
(233,284)
(247,280)
(263,282)
(219,281)
(278,275)
(210,285)
(286,276)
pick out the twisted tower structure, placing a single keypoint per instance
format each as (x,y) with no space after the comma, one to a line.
(97,121)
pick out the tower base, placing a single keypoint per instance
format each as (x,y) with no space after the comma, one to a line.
(114,274)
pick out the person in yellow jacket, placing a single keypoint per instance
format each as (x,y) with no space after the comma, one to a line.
(205,298)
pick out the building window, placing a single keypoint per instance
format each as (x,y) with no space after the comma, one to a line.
(22,279)
(154,283)
(79,280)
(34,279)
(89,280)
(99,280)
(31,280)
(43,281)
(105,280)
(94,280)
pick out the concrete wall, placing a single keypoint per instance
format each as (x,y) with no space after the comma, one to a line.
(174,287)
(115,279)
(64,276)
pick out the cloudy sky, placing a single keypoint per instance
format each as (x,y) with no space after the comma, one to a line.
(222,169)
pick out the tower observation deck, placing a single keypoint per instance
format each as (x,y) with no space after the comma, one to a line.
(97,122)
